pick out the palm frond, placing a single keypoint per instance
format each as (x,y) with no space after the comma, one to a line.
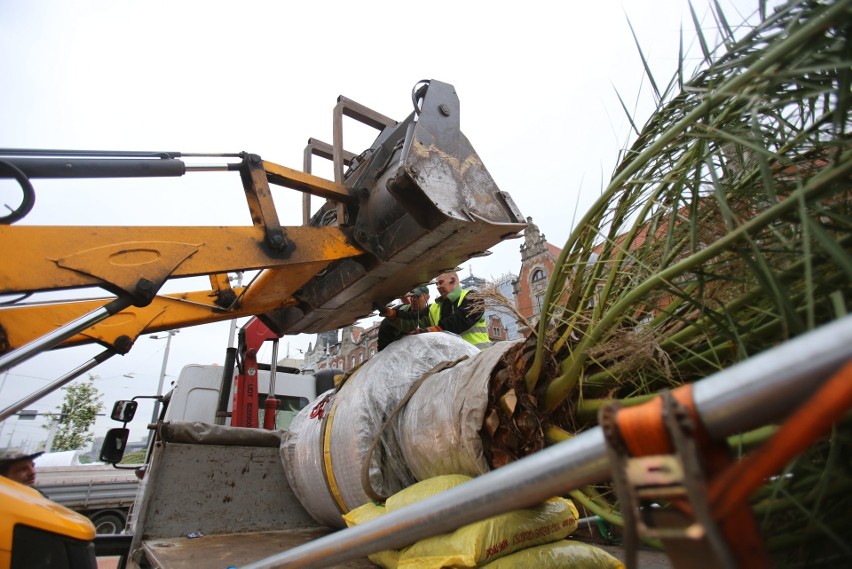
(726,229)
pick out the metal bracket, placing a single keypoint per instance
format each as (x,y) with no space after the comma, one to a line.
(665,496)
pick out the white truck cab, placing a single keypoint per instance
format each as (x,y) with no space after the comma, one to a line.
(195,396)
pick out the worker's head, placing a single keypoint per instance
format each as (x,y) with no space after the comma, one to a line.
(19,466)
(418,298)
(447,283)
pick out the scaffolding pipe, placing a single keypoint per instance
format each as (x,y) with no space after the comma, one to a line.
(50,388)
(53,339)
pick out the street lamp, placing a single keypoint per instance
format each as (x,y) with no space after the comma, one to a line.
(156,412)
(233,330)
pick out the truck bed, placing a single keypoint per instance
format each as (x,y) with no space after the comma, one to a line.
(88,486)
(226,488)
(219,551)
(226,550)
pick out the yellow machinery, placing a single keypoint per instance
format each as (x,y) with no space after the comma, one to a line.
(419,201)
(36,532)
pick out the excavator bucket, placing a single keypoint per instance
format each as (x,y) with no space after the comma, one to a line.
(426,203)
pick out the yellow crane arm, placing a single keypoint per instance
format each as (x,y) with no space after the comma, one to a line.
(115,258)
(416,203)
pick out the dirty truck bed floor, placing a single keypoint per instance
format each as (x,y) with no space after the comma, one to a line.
(220,551)
(224,550)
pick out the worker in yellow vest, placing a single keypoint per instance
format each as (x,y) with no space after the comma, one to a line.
(455,310)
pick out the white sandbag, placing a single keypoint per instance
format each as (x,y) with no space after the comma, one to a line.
(439,431)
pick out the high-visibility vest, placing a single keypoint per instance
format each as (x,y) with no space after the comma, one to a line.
(476,335)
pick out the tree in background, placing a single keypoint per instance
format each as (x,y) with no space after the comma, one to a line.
(75,416)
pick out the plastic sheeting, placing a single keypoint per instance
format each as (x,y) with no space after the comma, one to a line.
(439,431)
(302,456)
(326,474)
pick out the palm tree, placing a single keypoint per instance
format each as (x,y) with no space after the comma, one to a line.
(726,229)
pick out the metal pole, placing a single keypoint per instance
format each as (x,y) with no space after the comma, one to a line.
(59,335)
(228,371)
(273,368)
(11,410)
(270,404)
(775,381)
(12,434)
(48,446)
(232,333)
(233,330)
(156,413)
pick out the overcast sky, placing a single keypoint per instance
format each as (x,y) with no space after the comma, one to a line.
(537,83)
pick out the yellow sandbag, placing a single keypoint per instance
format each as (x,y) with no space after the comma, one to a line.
(475,544)
(363,514)
(481,542)
(388,559)
(424,489)
(559,554)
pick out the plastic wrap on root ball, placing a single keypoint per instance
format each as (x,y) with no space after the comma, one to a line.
(353,420)
(301,454)
(366,401)
(439,430)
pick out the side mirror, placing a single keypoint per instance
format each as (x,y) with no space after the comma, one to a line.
(124,411)
(115,442)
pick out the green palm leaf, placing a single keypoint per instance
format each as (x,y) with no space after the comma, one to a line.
(725,230)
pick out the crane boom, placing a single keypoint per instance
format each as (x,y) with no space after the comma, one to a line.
(419,201)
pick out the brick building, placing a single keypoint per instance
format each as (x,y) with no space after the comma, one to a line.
(538,257)
(342,349)
(496,329)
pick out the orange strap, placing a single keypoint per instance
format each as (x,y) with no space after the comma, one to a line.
(642,428)
(644,433)
(810,422)
(730,484)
